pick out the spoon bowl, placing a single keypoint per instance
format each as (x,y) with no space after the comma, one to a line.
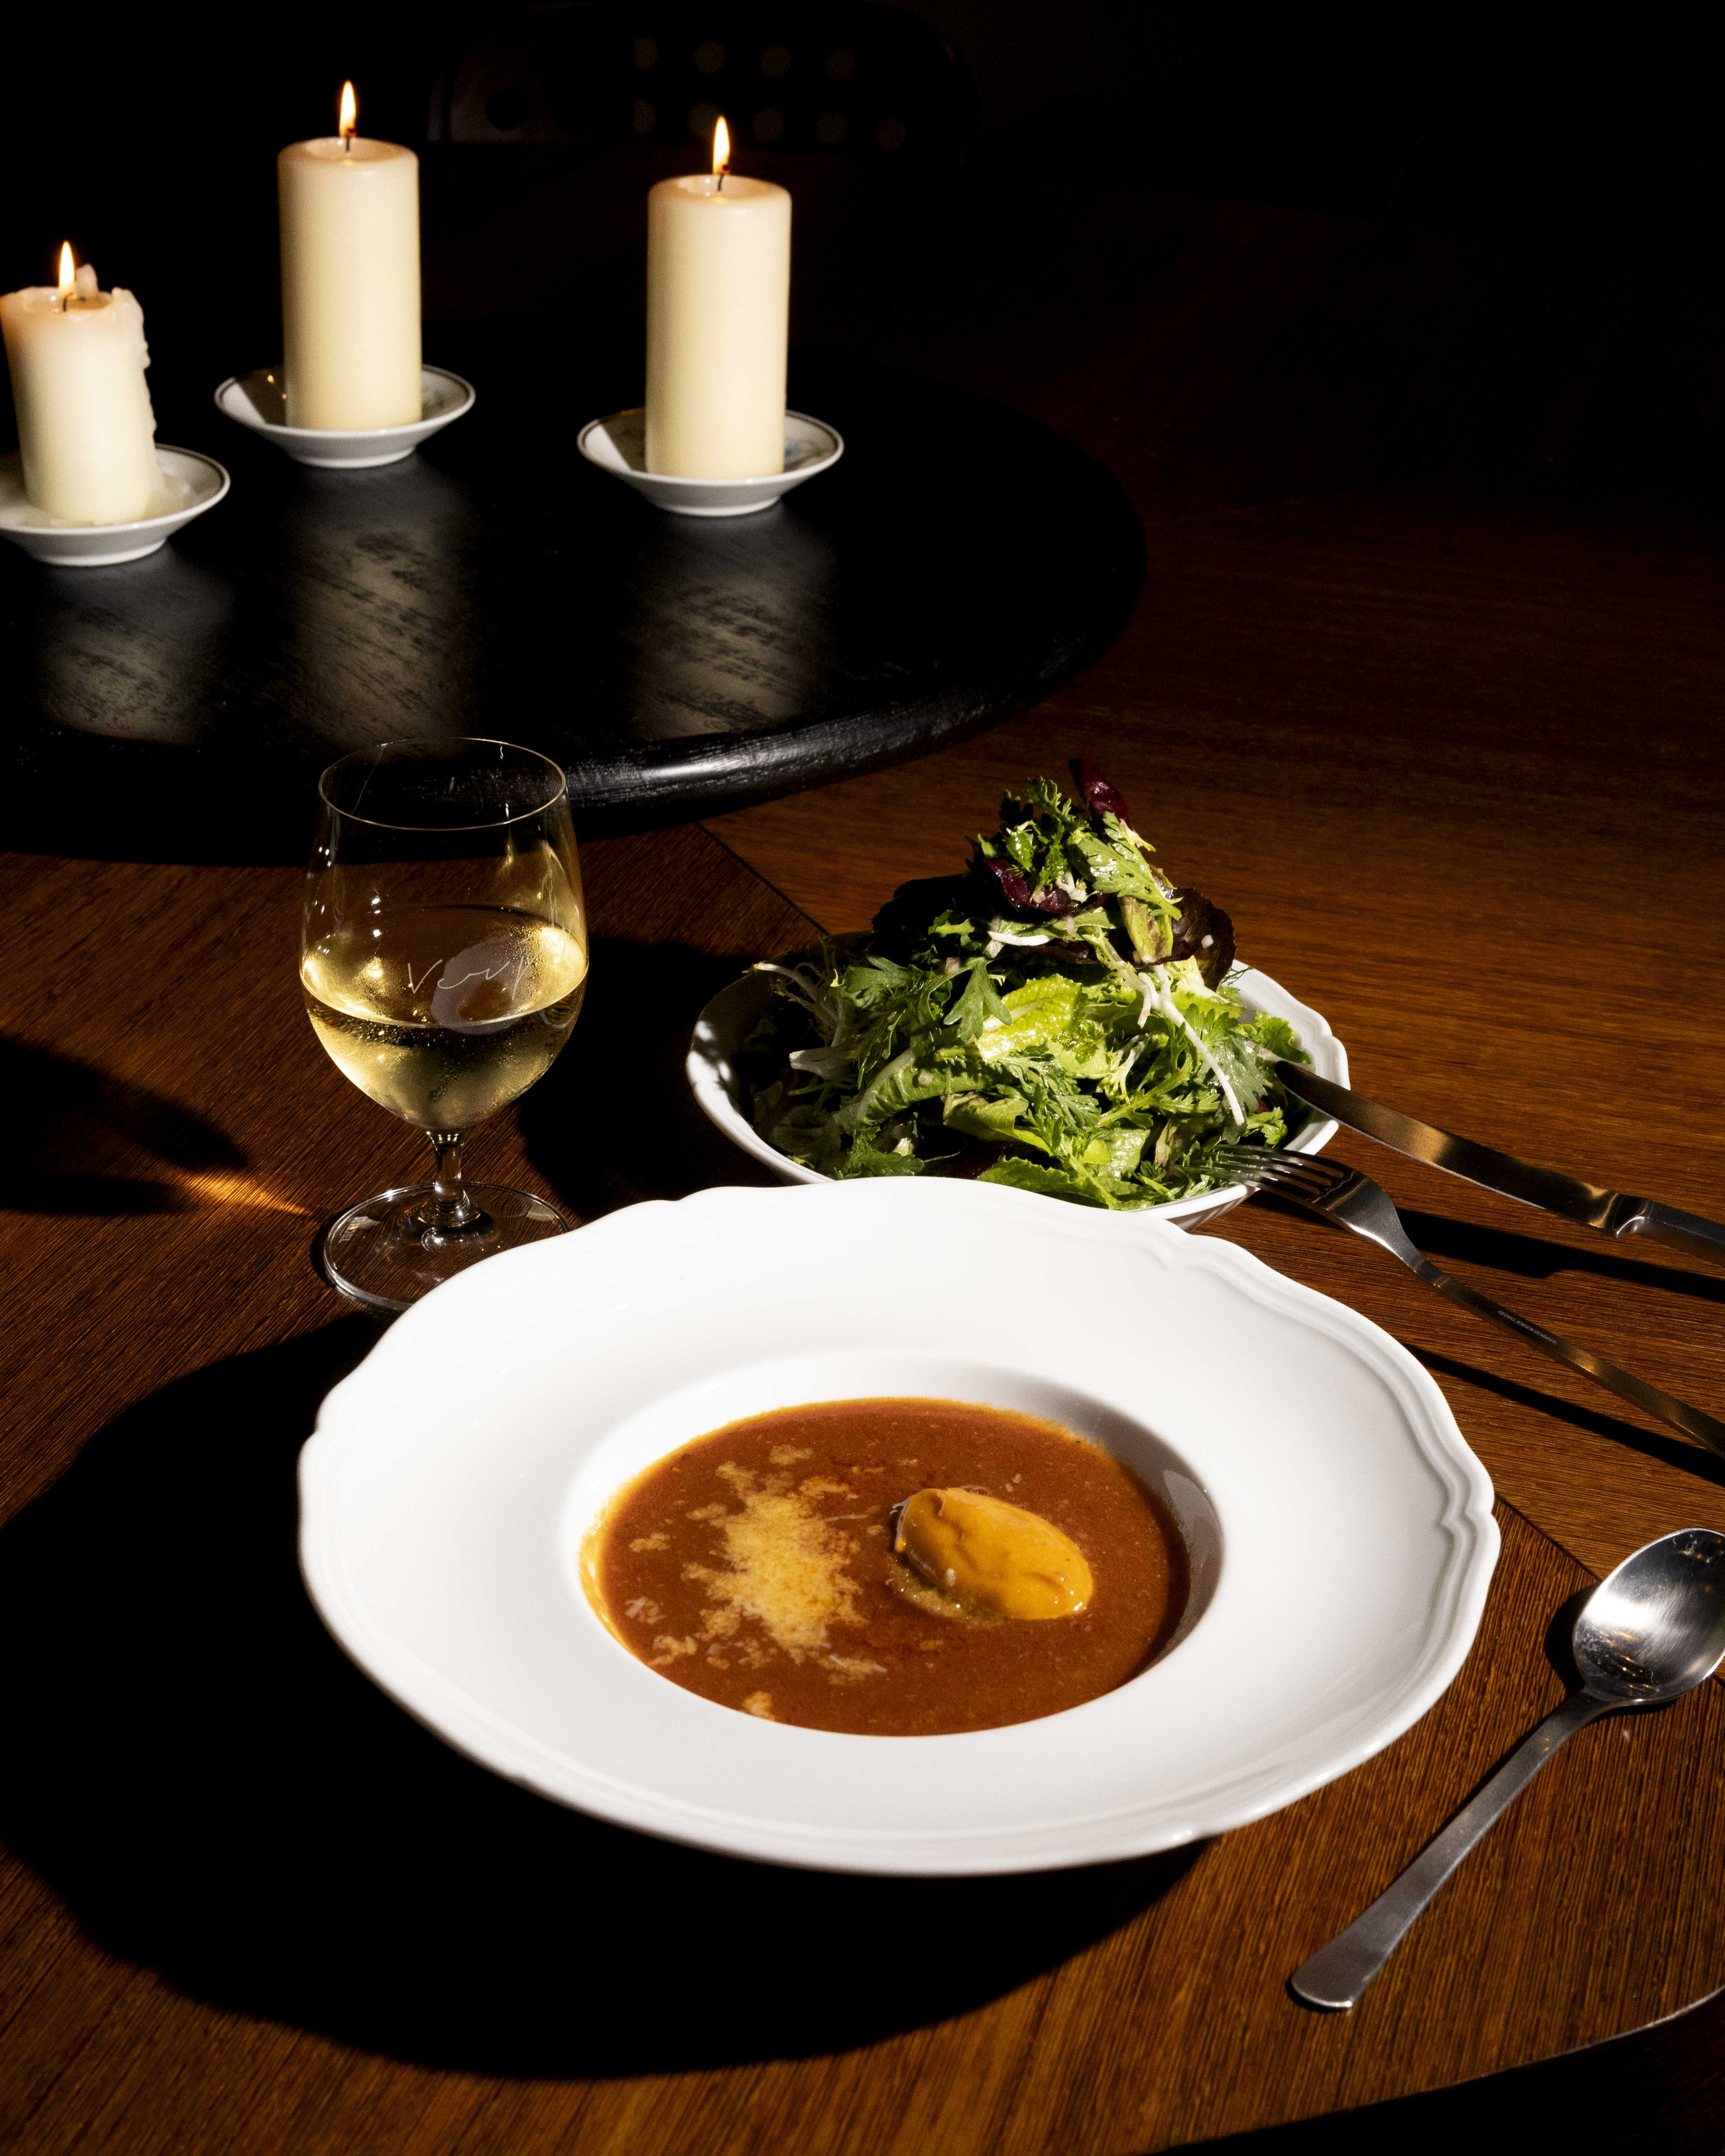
(1656,1627)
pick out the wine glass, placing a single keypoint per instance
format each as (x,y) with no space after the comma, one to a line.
(443,954)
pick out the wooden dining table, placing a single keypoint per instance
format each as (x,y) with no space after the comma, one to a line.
(1442,736)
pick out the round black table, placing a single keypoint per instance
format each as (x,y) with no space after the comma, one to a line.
(957,562)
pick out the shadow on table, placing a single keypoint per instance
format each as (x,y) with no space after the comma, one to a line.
(1658,2092)
(1675,1451)
(612,1121)
(220,1794)
(91,1144)
(1533,1257)
(1530,1257)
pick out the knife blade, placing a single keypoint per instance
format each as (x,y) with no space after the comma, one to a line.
(1612,1213)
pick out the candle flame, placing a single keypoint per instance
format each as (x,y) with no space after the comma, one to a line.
(721,148)
(350,111)
(69,270)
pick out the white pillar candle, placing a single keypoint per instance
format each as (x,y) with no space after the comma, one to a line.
(85,429)
(718,307)
(350,280)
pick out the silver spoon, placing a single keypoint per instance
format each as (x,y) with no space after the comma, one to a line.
(1646,1635)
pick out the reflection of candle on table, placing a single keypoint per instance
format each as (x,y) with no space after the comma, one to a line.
(718,302)
(350,280)
(85,430)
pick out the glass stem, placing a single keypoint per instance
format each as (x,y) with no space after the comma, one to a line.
(451,1210)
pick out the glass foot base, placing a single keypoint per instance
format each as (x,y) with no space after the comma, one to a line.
(382,1254)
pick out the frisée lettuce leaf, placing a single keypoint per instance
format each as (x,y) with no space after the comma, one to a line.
(1061,1018)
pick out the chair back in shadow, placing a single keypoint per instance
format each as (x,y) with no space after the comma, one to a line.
(855,80)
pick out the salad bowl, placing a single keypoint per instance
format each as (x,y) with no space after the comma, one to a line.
(730,1018)
(1338,1530)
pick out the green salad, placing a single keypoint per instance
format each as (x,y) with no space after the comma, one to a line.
(1060,1017)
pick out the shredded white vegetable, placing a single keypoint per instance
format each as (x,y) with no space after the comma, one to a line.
(1156,996)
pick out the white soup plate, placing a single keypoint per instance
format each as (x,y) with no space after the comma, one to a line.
(722,1032)
(258,401)
(1339,1529)
(190,483)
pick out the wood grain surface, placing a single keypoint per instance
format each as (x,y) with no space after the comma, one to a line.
(251,1907)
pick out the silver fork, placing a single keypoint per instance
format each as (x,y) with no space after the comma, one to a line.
(1353,1200)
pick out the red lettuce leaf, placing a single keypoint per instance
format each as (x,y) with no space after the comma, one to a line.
(1204,932)
(1016,886)
(1099,798)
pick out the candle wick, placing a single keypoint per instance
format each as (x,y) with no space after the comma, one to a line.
(720,189)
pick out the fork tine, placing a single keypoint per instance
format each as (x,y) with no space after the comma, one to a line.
(1299,1175)
(1264,1160)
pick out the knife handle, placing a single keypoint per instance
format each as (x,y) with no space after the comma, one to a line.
(1684,1231)
(1586,1204)
(1337,1974)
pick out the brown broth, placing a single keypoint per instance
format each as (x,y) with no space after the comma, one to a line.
(755,1566)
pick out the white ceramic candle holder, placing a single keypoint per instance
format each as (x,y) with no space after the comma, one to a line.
(190,485)
(618,444)
(257,401)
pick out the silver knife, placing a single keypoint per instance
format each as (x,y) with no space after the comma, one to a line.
(1610,1211)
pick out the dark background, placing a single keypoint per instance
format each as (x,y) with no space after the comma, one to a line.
(1579,151)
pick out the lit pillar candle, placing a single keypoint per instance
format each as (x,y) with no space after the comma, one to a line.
(718,306)
(350,280)
(85,430)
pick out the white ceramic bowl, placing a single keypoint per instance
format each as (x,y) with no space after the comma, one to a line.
(257,401)
(191,484)
(618,444)
(1341,1529)
(724,1027)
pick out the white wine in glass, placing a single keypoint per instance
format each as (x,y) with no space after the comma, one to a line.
(444,961)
